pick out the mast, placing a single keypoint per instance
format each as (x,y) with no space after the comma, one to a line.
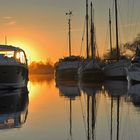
(111,117)
(118,118)
(93,115)
(110,30)
(92,34)
(69,23)
(88,133)
(116,17)
(70,117)
(87,50)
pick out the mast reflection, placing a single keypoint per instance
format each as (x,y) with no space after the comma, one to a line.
(91,89)
(116,90)
(70,90)
(13,108)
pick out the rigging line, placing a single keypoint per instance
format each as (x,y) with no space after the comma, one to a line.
(65,52)
(132,125)
(83,36)
(83,116)
(110,3)
(106,41)
(128,20)
(121,27)
(128,6)
(107,111)
(84,96)
(129,15)
(137,19)
(131,18)
(127,113)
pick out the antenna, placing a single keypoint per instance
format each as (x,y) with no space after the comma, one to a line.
(5,40)
(69,14)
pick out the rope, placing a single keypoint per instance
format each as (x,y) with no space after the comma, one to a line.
(83,36)
(83,116)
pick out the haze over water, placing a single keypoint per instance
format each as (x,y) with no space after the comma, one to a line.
(76,111)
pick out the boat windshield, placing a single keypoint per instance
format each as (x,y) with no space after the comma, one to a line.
(8,54)
(17,55)
(20,56)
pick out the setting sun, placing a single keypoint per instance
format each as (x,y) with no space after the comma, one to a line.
(28,48)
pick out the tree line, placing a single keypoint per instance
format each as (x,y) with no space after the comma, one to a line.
(41,68)
(127,50)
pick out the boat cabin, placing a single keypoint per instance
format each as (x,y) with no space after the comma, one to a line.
(10,52)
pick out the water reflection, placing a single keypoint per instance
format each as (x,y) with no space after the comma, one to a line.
(116,88)
(40,79)
(70,90)
(134,93)
(13,108)
(72,110)
(110,95)
(91,89)
(119,93)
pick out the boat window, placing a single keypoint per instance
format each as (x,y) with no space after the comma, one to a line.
(21,57)
(8,54)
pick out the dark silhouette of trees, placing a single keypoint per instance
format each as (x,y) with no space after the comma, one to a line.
(134,47)
(128,49)
(41,68)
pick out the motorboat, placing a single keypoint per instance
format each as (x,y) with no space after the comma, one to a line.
(13,67)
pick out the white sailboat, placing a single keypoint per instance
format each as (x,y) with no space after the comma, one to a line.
(133,71)
(66,68)
(115,69)
(90,70)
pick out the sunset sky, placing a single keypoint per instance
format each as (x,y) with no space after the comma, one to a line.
(40,26)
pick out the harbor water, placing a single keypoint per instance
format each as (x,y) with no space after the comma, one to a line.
(70,110)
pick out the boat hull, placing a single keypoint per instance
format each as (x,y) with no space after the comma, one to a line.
(92,75)
(116,70)
(13,76)
(66,74)
(133,76)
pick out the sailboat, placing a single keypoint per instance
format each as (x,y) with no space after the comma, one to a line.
(133,71)
(115,69)
(91,69)
(67,67)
